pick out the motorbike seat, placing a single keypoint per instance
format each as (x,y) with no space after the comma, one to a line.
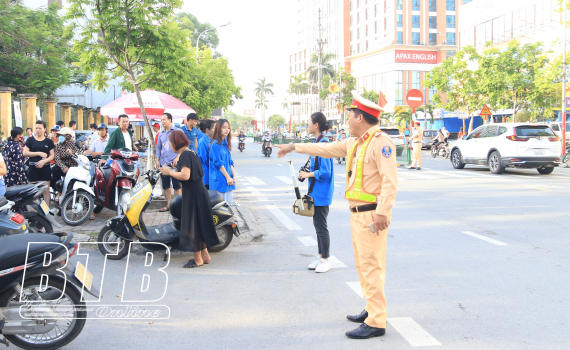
(13,248)
(106,171)
(14,191)
(215,197)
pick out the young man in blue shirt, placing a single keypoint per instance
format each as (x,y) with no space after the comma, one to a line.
(191,131)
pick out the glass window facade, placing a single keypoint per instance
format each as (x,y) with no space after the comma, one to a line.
(399,20)
(399,38)
(415,38)
(450,5)
(399,88)
(450,21)
(415,21)
(450,38)
(416,82)
(399,4)
(432,5)
(415,5)
(433,22)
(432,38)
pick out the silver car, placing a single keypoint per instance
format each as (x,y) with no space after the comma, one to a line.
(395,134)
(429,135)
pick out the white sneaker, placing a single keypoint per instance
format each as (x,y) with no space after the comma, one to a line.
(324,266)
(315,263)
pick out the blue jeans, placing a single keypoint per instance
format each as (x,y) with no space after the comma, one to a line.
(2,187)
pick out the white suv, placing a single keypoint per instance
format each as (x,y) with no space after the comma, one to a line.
(395,134)
(513,145)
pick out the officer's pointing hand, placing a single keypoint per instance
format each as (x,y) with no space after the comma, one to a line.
(284,149)
(381,223)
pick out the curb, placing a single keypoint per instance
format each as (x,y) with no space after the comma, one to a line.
(250,231)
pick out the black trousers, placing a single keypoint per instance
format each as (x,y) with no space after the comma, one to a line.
(320,223)
(56,175)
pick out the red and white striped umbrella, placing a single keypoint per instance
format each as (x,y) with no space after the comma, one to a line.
(155,103)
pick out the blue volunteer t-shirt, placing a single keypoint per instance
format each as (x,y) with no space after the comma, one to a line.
(191,135)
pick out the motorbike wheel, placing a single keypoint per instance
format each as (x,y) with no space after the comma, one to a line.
(38,224)
(77,216)
(566,158)
(66,329)
(225,235)
(444,153)
(107,244)
(98,209)
(433,152)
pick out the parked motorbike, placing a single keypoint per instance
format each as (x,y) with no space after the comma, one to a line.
(77,200)
(266,148)
(10,223)
(46,310)
(441,150)
(113,180)
(29,196)
(241,145)
(130,226)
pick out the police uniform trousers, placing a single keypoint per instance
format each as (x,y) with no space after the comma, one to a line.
(417,154)
(370,259)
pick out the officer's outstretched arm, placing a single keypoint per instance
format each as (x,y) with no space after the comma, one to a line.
(323,149)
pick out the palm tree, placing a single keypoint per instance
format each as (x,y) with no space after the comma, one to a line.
(404,116)
(299,87)
(327,69)
(427,109)
(261,91)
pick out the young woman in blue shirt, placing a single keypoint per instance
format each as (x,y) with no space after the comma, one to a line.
(222,175)
(322,193)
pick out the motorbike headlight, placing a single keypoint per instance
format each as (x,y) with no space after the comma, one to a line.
(126,202)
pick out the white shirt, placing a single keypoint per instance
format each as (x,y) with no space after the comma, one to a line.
(128,140)
(445,133)
(91,138)
(99,145)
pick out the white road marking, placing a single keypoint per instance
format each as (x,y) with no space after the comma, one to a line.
(337,185)
(412,332)
(255,181)
(490,240)
(421,176)
(292,226)
(280,164)
(263,199)
(286,179)
(450,173)
(308,241)
(250,188)
(341,175)
(355,286)
(335,263)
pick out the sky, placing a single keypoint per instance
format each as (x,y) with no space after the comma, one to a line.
(257,44)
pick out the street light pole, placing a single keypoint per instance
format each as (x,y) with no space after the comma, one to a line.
(199,36)
(563,128)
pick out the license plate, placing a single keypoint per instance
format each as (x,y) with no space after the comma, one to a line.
(83,275)
(538,151)
(44,207)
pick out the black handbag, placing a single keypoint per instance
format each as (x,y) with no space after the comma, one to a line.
(308,201)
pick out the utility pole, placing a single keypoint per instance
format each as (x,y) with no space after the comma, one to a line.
(321,43)
(564,76)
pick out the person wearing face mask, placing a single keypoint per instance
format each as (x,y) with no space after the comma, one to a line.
(14,158)
(61,125)
(222,174)
(63,155)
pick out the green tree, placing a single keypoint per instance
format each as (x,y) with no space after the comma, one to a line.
(193,28)
(461,84)
(237,121)
(262,90)
(275,121)
(428,112)
(35,54)
(524,116)
(326,69)
(298,86)
(346,83)
(403,116)
(370,95)
(134,40)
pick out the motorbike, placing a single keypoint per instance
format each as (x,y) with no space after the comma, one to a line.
(45,310)
(441,150)
(77,198)
(566,157)
(130,226)
(241,145)
(266,148)
(115,179)
(10,223)
(29,196)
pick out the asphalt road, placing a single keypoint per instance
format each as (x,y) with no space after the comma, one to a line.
(475,261)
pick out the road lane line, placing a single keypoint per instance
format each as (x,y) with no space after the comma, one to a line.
(262,199)
(255,181)
(421,176)
(412,332)
(341,175)
(280,164)
(292,226)
(308,241)
(355,286)
(286,179)
(490,240)
(335,263)
(449,173)
(250,188)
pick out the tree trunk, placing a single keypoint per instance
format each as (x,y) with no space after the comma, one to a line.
(147,124)
(515,107)
(471,124)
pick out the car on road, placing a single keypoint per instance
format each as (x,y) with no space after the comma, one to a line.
(509,145)
(429,135)
(557,127)
(395,134)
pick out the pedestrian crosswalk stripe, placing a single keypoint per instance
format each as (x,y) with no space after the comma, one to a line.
(290,224)
(280,164)
(341,175)
(450,173)
(487,239)
(255,181)
(308,241)
(335,263)
(286,179)
(355,286)
(415,174)
(412,332)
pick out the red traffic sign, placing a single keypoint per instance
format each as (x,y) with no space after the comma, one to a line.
(486,111)
(415,98)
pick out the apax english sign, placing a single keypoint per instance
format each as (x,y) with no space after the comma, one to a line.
(407,56)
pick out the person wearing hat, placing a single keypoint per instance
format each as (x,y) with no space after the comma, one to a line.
(63,155)
(371,187)
(156,129)
(54,138)
(417,138)
(98,146)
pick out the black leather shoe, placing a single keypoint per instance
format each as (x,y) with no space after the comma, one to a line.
(419,168)
(360,318)
(365,332)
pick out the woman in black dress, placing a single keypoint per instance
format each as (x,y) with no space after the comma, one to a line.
(14,158)
(197,229)
(39,149)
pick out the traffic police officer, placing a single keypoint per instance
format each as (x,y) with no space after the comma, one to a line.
(371,188)
(417,138)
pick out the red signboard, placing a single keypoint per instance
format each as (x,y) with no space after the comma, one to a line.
(415,98)
(407,56)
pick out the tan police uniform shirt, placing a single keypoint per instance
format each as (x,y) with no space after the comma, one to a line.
(380,174)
